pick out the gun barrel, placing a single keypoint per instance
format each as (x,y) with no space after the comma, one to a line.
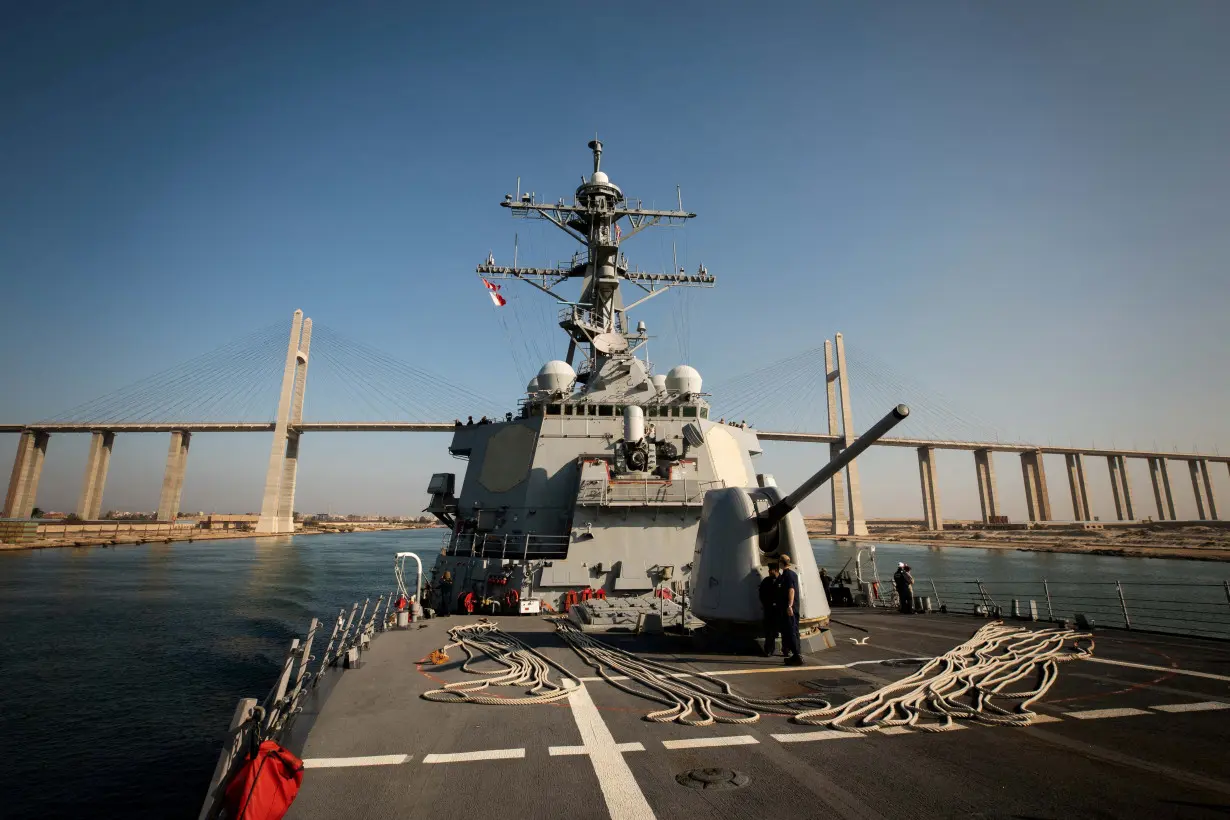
(779,510)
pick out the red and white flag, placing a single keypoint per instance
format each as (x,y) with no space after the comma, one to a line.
(494,292)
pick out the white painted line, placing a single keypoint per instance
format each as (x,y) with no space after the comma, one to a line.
(465,757)
(705,742)
(565,751)
(339,762)
(1205,706)
(1190,673)
(1095,714)
(824,734)
(721,673)
(624,798)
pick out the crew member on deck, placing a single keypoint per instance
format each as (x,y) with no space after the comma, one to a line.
(772,616)
(446,594)
(790,603)
(902,581)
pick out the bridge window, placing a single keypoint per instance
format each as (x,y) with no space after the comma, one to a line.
(652,412)
(591,410)
(606,410)
(675,412)
(552,409)
(689,412)
(619,409)
(704,412)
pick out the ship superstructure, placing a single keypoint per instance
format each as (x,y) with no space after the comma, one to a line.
(597,480)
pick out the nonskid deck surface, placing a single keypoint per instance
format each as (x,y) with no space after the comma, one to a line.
(1141,731)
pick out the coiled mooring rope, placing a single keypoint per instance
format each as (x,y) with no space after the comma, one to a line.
(523,666)
(964,683)
(692,698)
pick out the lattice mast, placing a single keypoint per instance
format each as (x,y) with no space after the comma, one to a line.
(596,323)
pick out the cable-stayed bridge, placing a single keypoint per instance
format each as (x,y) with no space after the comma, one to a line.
(229,390)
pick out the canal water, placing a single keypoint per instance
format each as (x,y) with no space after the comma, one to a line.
(121,666)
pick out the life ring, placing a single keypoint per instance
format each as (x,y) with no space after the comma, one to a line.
(466,602)
(511,599)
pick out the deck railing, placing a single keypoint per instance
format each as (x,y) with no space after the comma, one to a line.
(256,721)
(1200,609)
(515,546)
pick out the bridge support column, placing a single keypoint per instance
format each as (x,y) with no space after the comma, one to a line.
(988,496)
(173,476)
(1078,488)
(89,505)
(1037,499)
(837,484)
(858,525)
(27,470)
(1161,485)
(1118,487)
(930,489)
(1204,495)
(290,464)
(279,500)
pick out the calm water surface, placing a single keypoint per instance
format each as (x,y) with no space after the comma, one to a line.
(121,666)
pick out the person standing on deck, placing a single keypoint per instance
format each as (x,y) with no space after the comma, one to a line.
(825,581)
(446,594)
(772,617)
(902,581)
(790,603)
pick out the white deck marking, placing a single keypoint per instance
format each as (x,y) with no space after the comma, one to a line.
(1096,714)
(1152,668)
(623,796)
(486,754)
(564,751)
(704,742)
(339,762)
(824,734)
(720,673)
(1204,706)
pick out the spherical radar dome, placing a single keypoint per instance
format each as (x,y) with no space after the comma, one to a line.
(532,387)
(683,379)
(599,178)
(555,376)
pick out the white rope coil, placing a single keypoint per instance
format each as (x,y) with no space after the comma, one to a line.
(522,666)
(692,698)
(964,683)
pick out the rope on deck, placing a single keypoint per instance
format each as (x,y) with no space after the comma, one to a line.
(522,666)
(964,683)
(692,698)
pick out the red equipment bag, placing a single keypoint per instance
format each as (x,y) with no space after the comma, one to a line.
(266,785)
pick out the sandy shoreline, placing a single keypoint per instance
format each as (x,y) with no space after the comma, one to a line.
(136,539)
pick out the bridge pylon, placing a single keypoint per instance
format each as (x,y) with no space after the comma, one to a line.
(278,504)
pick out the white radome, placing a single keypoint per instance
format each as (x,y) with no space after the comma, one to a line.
(532,387)
(599,178)
(556,376)
(683,379)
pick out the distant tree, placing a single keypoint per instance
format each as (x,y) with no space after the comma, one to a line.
(37,512)
(72,517)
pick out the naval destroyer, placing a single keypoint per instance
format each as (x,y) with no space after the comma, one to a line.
(605,547)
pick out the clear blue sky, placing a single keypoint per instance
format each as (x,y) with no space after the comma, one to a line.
(1021,205)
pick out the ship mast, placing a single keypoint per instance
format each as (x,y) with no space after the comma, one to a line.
(596,323)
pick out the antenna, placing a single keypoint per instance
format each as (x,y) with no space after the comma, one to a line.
(674,258)
(518,189)
(516,242)
(679,193)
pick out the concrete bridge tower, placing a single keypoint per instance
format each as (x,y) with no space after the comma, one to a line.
(278,504)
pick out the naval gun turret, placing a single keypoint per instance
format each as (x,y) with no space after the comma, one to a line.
(744,529)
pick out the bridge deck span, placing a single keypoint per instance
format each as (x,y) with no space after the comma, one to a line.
(445,427)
